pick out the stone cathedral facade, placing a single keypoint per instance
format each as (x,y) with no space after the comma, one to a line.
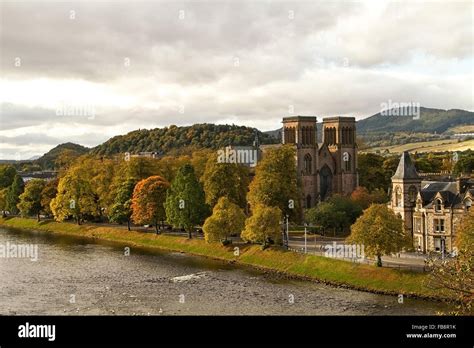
(324,168)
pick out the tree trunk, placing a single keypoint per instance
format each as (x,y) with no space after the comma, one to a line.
(128,224)
(156,227)
(38,217)
(190,234)
(379,261)
(78,220)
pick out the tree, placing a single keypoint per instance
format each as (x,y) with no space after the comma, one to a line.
(30,199)
(148,201)
(50,191)
(13,194)
(229,180)
(375,171)
(74,198)
(65,159)
(7,174)
(364,199)
(337,213)
(455,276)
(263,226)
(276,183)
(3,201)
(121,210)
(326,216)
(185,202)
(227,218)
(380,231)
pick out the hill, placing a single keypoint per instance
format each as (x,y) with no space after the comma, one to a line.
(430,121)
(47,161)
(163,140)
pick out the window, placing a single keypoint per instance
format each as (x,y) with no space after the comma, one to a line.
(417,225)
(412,191)
(308,164)
(438,225)
(398,197)
(348,162)
(438,205)
(308,201)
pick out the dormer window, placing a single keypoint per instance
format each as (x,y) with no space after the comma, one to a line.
(438,205)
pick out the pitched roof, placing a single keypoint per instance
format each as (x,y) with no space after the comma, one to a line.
(406,169)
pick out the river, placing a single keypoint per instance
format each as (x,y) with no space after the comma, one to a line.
(75,276)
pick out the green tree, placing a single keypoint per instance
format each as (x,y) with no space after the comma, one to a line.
(13,194)
(229,180)
(227,218)
(7,174)
(30,199)
(380,231)
(337,213)
(263,226)
(375,171)
(185,202)
(276,183)
(148,200)
(121,210)
(3,201)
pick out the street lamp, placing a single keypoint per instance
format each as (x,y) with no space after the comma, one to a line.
(305,238)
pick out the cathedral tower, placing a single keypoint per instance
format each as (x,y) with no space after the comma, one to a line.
(339,135)
(301,131)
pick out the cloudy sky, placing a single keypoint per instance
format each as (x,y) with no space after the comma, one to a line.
(85,71)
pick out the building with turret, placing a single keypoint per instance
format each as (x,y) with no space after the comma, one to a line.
(431,210)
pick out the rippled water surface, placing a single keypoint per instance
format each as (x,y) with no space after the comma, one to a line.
(74,276)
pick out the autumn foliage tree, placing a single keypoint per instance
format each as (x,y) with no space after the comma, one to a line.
(49,192)
(30,199)
(263,226)
(276,183)
(227,218)
(148,201)
(455,276)
(229,180)
(380,231)
(364,198)
(75,198)
(185,202)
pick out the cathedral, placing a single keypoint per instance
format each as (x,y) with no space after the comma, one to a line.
(431,210)
(324,168)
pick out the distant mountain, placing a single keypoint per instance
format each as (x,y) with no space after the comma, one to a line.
(400,129)
(430,121)
(47,161)
(164,140)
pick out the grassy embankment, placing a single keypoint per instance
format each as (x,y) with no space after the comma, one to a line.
(330,271)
